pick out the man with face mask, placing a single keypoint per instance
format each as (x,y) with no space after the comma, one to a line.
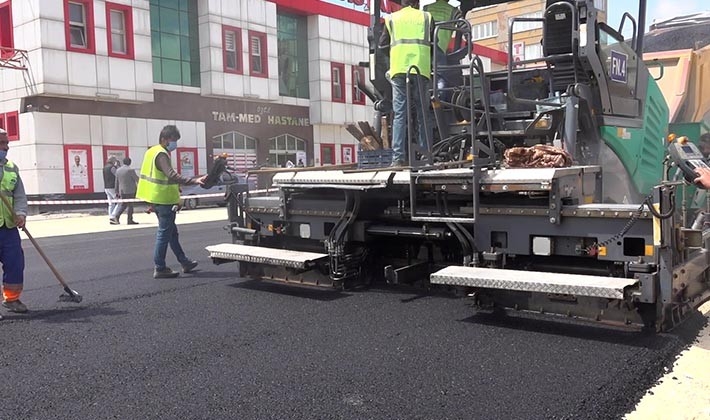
(159,186)
(11,255)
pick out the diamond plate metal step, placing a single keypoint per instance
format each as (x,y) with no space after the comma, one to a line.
(263,255)
(533,281)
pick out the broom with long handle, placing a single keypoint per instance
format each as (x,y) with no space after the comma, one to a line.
(72,295)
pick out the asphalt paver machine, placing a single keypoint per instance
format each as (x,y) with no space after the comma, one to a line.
(609,238)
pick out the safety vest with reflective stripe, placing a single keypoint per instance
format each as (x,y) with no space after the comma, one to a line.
(410,41)
(154,186)
(7,186)
(442,11)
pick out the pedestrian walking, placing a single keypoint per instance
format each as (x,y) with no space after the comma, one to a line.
(109,173)
(126,185)
(159,186)
(12,257)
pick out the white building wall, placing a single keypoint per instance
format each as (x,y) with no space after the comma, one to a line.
(255,15)
(52,70)
(40,155)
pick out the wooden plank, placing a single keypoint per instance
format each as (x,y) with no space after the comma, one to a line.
(368,131)
(355,132)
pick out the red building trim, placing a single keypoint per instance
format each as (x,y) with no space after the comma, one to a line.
(238,47)
(339,89)
(70,150)
(7,39)
(323,151)
(264,55)
(107,149)
(357,70)
(89,27)
(496,56)
(128,28)
(12,125)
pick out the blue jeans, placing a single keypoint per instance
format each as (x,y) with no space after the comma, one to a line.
(167,235)
(399,105)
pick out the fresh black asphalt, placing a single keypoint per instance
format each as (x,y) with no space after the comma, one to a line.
(213,346)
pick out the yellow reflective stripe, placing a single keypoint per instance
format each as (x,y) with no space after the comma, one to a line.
(157,181)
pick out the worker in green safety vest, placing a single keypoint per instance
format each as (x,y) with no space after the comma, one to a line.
(408,34)
(442,11)
(13,212)
(159,186)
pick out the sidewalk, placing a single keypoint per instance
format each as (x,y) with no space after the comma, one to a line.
(73,223)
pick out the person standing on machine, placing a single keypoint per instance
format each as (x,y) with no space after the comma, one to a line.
(442,11)
(159,186)
(11,255)
(408,35)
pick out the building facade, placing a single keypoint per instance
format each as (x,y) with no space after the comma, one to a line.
(490,25)
(266,82)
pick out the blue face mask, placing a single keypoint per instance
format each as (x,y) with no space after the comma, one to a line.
(3,154)
(172,145)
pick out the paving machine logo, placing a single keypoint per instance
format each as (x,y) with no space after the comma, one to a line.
(617,72)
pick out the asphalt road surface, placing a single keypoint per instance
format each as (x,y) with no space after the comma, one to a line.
(213,346)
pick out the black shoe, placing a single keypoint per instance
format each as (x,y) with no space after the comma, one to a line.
(165,273)
(114,221)
(15,306)
(189,266)
(131,222)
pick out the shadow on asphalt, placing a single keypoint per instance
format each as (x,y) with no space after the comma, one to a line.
(320,294)
(64,315)
(682,335)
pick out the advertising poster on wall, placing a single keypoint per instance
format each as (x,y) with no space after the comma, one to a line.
(119,152)
(187,158)
(77,172)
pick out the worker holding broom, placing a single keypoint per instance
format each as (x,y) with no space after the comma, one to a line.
(12,257)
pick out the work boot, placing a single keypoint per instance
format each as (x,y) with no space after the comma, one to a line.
(189,266)
(15,306)
(165,273)
(131,222)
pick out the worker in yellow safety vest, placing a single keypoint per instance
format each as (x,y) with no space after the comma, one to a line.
(408,34)
(159,186)
(11,217)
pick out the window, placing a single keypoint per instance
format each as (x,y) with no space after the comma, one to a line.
(240,150)
(11,124)
(176,53)
(600,4)
(258,54)
(232,49)
(327,154)
(284,148)
(485,30)
(528,26)
(79,26)
(337,82)
(292,43)
(533,51)
(6,36)
(119,21)
(358,76)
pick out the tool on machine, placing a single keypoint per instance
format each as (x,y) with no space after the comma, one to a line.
(71,295)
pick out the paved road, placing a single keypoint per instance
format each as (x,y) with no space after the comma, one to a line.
(212,346)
